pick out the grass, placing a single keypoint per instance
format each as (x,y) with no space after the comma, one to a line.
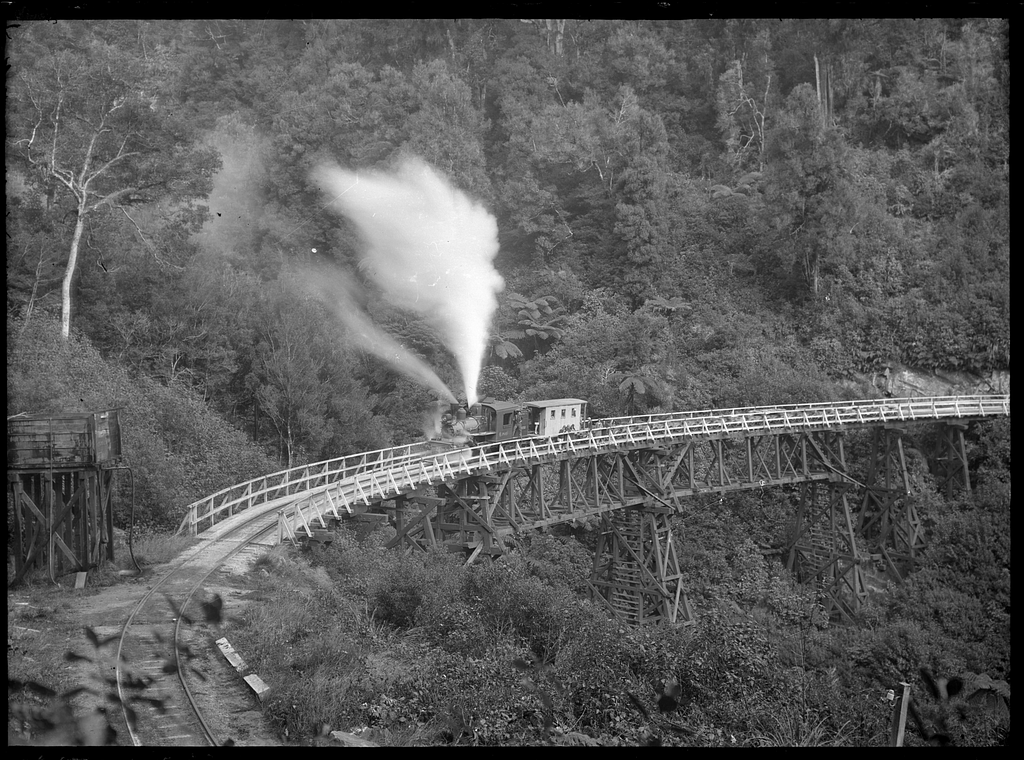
(303,639)
(404,736)
(41,626)
(796,728)
(150,548)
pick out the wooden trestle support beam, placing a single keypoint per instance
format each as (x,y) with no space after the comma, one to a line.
(950,460)
(62,519)
(888,519)
(636,495)
(824,548)
(636,571)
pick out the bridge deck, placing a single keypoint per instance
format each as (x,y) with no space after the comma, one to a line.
(356,481)
(404,473)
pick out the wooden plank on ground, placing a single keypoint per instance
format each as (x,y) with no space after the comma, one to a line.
(231,655)
(258,685)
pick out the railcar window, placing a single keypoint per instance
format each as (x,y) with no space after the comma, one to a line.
(552,414)
(507,419)
(574,412)
(563,414)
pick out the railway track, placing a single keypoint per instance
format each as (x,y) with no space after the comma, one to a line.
(155,677)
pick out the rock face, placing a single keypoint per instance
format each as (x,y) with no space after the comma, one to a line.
(904,381)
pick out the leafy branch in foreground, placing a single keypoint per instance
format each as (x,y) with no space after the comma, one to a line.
(52,720)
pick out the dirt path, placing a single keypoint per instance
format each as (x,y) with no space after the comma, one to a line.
(46,623)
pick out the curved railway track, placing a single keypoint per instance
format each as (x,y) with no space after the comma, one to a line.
(154,677)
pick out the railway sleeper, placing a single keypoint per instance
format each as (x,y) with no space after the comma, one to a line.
(257,684)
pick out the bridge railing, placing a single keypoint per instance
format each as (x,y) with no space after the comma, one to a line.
(403,474)
(372,476)
(205,513)
(861,410)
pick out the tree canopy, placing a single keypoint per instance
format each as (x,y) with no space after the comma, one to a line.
(686,205)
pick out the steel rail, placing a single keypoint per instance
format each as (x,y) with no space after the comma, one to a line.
(177,628)
(161,585)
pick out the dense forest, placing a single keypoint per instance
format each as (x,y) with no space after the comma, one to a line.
(689,214)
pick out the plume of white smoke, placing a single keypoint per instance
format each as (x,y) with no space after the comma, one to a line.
(341,294)
(429,248)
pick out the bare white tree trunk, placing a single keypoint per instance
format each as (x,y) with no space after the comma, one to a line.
(291,462)
(69,274)
(817,86)
(555,32)
(824,91)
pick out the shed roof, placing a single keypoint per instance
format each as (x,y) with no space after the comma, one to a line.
(60,415)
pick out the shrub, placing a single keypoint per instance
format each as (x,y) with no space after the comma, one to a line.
(731,656)
(357,566)
(399,591)
(509,598)
(559,561)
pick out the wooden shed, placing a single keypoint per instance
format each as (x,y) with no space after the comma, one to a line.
(60,475)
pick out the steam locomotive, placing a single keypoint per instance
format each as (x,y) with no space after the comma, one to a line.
(491,421)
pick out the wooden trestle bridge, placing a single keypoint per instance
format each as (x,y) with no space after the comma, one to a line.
(631,474)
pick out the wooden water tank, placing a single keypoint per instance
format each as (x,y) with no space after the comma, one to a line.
(64,441)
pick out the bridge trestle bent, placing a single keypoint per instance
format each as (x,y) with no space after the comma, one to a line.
(950,461)
(824,547)
(636,571)
(888,520)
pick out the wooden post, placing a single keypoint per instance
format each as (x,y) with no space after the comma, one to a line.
(47,527)
(16,490)
(899,717)
(109,515)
